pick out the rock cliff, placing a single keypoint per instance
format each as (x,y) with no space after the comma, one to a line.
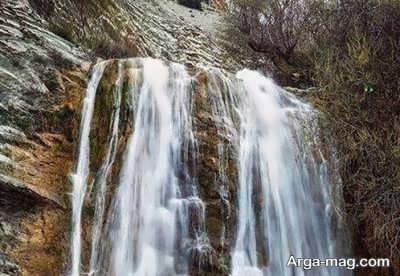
(46,50)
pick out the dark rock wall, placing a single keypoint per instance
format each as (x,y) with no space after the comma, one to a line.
(194,4)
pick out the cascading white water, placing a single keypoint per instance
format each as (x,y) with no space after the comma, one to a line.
(151,200)
(153,222)
(274,162)
(156,219)
(104,172)
(80,176)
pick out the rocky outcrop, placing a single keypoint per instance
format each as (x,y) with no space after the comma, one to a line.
(120,28)
(37,72)
(13,189)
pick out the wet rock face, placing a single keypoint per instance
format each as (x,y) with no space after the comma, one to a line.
(216,170)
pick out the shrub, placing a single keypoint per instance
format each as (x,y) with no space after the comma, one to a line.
(65,31)
(44,8)
(356,62)
(113,48)
(274,27)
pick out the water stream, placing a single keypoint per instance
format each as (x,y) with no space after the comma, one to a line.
(151,218)
(277,164)
(79,177)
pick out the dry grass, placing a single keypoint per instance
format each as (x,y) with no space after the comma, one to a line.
(358,68)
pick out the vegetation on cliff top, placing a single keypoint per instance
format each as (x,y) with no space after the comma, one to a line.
(349,49)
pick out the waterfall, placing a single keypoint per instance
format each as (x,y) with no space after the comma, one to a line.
(80,176)
(102,176)
(276,162)
(145,181)
(152,203)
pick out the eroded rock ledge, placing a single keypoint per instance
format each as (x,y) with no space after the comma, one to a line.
(12,189)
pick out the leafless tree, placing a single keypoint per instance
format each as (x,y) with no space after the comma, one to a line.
(273,26)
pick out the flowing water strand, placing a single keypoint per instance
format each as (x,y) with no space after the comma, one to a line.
(151,204)
(274,162)
(104,172)
(222,98)
(80,176)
